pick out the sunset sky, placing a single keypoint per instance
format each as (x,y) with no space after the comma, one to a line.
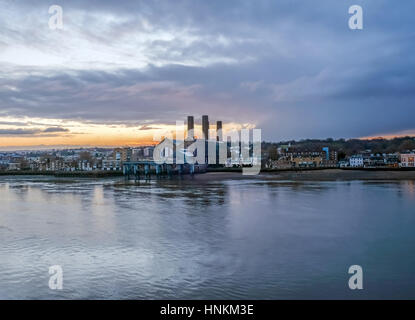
(121,71)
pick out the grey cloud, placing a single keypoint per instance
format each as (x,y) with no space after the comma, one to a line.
(48,132)
(148,128)
(55,129)
(13,123)
(296,71)
(18,132)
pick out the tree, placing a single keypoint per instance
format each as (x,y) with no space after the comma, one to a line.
(85,155)
(407,144)
(341,155)
(273,153)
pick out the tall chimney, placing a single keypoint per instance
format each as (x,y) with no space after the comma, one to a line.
(219,135)
(205,127)
(190,128)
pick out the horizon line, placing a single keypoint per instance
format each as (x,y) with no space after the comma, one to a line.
(69,147)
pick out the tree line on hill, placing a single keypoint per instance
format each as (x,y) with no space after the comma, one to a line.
(344,147)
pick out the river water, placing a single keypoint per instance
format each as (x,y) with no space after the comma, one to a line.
(233,239)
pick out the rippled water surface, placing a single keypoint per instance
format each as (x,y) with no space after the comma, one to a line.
(247,239)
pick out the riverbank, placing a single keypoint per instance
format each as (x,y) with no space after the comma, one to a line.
(345,175)
(73,174)
(303,175)
(312,175)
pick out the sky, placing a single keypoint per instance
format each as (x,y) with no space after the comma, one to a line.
(120,72)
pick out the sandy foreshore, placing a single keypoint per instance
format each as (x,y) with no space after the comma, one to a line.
(312,175)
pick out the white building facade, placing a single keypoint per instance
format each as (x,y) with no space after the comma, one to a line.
(356,161)
(408,160)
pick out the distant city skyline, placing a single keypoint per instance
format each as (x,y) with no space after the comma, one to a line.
(120,72)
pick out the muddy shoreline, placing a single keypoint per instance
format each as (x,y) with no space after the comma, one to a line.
(312,175)
(303,175)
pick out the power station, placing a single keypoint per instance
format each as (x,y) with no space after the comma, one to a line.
(205,129)
(190,128)
(146,167)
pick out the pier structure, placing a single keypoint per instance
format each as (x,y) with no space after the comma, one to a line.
(145,169)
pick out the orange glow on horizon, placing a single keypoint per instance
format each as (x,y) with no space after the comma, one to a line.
(49,132)
(402,134)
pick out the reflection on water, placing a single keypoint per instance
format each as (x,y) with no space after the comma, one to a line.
(220,240)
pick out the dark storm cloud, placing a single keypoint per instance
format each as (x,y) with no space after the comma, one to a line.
(295,69)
